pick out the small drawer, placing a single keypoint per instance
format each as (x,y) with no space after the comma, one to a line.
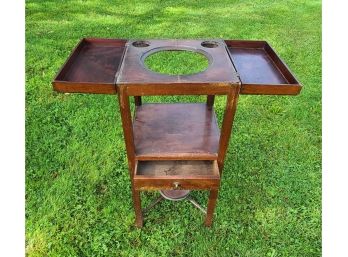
(176,175)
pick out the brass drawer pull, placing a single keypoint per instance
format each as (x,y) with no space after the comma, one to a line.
(176,185)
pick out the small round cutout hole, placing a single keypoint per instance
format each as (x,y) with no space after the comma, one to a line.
(140,43)
(210,44)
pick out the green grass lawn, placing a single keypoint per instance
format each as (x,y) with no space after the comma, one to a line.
(78,200)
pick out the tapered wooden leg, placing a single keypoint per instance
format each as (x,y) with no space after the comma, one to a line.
(137,208)
(210,100)
(137,100)
(211,207)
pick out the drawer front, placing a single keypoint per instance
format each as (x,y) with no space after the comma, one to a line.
(146,183)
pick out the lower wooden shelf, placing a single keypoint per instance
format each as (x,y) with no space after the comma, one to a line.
(177,174)
(175,131)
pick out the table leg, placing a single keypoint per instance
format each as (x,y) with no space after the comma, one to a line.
(137,100)
(211,207)
(137,208)
(210,100)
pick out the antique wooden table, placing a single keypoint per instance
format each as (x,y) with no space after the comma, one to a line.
(177,147)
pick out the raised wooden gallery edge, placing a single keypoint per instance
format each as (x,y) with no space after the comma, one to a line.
(99,65)
(91,67)
(260,69)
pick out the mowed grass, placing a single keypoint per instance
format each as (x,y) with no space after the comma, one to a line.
(78,200)
(176,62)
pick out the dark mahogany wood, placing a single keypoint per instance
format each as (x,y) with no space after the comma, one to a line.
(260,69)
(227,123)
(133,71)
(210,100)
(137,207)
(211,207)
(92,67)
(184,183)
(175,131)
(127,127)
(177,168)
(177,138)
(129,141)
(137,100)
(178,89)
(176,175)
(175,146)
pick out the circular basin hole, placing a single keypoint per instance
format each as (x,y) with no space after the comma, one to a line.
(176,62)
(210,44)
(140,43)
